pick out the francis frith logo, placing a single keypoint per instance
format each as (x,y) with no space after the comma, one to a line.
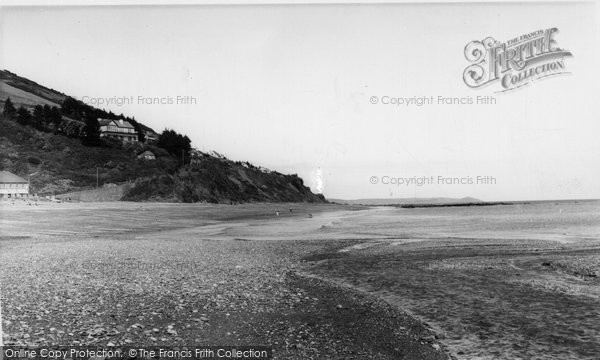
(516,62)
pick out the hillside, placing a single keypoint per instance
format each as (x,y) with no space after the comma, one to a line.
(56,161)
(23,91)
(219,180)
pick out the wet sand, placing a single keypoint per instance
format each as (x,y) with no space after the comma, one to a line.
(514,282)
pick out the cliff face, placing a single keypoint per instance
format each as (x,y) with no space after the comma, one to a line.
(218,180)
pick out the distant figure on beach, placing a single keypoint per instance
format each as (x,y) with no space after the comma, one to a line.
(277,213)
(310,215)
(291,210)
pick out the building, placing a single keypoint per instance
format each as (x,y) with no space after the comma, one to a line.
(147,155)
(13,186)
(150,136)
(118,129)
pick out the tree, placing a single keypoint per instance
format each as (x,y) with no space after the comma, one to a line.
(71,107)
(38,117)
(138,128)
(176,144)
(140,132)
(23,116)
(9,109)
(91,131)
(55,116)
(47,115)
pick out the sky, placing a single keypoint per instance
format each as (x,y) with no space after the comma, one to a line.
(291,88)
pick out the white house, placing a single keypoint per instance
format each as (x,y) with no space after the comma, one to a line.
(118,129)
(12,186)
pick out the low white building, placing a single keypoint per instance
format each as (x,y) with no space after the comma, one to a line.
(13,186)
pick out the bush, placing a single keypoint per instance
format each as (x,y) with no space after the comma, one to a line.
(33,160)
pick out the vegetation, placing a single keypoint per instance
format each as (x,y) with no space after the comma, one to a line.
(91,131)
(79,110)
(219,180)
(9,109)
(176,144)
(59,163)
(31,87)
(61,150)
(23,116)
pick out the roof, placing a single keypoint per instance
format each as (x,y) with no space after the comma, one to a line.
(147,152)
(8,177)
(118,123)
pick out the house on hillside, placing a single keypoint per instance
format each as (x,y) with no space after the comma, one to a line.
(147,155)
(13,186)
(118,129)
(150,135)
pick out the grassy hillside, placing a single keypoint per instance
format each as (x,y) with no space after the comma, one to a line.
(58,164)
(21,97)
(55,160)
(29,90)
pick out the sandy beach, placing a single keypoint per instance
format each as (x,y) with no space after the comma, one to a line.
(500,282)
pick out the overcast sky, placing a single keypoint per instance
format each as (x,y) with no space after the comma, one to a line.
(290,87)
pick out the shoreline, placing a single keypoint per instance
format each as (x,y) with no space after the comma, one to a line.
(246,292)
(310,287)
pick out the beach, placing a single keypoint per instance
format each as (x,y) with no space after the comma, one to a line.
(309,281)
